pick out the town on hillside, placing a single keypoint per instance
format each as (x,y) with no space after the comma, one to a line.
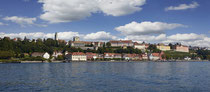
(18,49)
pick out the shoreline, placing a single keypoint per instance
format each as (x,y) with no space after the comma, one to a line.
(106,61)
(114,61)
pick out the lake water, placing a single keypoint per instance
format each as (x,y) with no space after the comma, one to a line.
(106,77)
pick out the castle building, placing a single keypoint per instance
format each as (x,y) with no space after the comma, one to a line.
(121,43)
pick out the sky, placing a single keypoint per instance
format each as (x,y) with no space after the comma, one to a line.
(152,21)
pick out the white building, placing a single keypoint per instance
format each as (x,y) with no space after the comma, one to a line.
(76,56)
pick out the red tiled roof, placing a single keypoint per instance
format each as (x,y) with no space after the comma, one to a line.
(109,53)
(90,53)
(77,53)
(132,55)
(156,54)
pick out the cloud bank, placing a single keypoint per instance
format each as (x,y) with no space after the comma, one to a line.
(56,11)
(190,39)
(98,36)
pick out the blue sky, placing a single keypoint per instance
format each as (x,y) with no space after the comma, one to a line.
(187,18)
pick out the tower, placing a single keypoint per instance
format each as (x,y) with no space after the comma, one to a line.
(76,38)
(56,36)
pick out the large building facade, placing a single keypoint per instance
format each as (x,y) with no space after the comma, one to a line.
(181,48)
(122,43)
(76,56)
(163,47)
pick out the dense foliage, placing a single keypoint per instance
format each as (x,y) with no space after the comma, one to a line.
(176,55)
(204,54)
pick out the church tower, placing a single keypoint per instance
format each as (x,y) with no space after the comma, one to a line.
(56,36)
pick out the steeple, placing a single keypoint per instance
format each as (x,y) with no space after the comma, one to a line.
(56,36)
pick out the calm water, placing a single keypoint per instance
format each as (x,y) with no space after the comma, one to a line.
(106,77)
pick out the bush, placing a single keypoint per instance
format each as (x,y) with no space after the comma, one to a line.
(34,59)
(6,54)
(60,57)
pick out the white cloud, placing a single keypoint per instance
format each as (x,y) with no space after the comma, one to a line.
(186,37)
(23,21)
(100,36)
(183,6)
(2,24)
(147,27)
(147,38)
(120,7)
(190,39)
(56,11)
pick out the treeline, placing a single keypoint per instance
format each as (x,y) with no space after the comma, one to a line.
(10,48)
(204,54)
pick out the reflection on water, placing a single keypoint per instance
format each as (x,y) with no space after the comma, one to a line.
(106,77)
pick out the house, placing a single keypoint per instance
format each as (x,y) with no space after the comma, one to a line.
(41,54)
(145,56)
(122,43)
(181,48)
(154,56)
(142,47)
(109,55)
(76,56)
(91,56)
(57,53)
(132,57)
(163,47)
(116,55)
(112,55)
